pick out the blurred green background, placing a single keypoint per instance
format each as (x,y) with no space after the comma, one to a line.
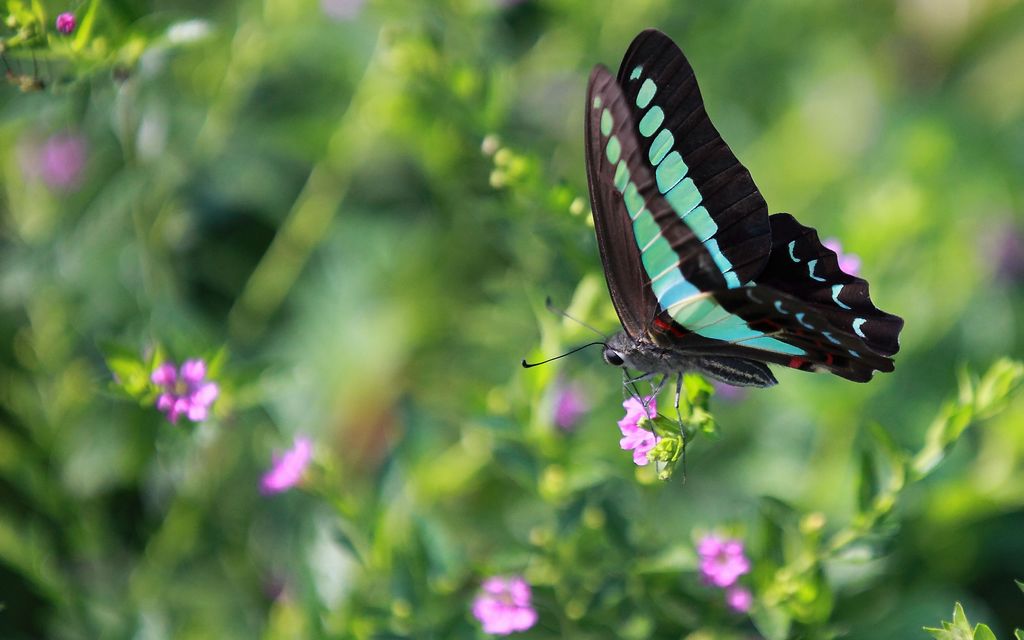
(302,183)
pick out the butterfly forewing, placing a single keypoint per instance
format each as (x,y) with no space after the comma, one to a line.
(694,169)
(650,256)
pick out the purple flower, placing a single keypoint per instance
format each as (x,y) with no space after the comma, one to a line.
(66,23)
(728,392)
(641,441)
(571,404)
(739,599)
(185,390)
(1003,248)
(503,606)
(342,10)
(58,161)
(722,561)
(848,263)
(287,469)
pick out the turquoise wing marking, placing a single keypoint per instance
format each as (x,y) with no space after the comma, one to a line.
(670,173)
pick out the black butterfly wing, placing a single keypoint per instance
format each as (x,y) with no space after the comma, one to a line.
(802,267)
(694,168)
(761,323)
(804,312)
(646,249)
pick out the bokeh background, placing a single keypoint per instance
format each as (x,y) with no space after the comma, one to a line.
(304,187)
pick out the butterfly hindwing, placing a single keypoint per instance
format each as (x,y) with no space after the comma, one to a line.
(759,322)
(801,266)
(694,168)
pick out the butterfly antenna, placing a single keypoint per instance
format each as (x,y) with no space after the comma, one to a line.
(527,365)
(565,314)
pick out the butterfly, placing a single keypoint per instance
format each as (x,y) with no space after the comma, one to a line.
(701,277)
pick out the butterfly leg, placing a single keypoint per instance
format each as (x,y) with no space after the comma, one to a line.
(629,384)
(656,388)
(679,418)
(679,392)
(639,378)
(629,389)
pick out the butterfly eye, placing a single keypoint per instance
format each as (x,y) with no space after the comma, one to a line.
(612,358)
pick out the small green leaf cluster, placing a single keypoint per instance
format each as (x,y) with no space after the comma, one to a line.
(960,628)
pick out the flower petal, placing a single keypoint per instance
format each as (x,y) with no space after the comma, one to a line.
(165,375)
(165,402)
(197,413)
(739,599)
(205,394)
(193,371)
(287,471)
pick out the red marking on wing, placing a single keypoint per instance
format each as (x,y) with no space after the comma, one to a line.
(664,326)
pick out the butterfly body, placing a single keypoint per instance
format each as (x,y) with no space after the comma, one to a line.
(701,277)
(644,355)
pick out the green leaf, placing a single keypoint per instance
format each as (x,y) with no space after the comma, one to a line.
(698,389)
(1019,634)
(773,622)
(959,617)
(215,363)
(867,481)
(85,26)
(130,373)
(998,384)
(982,632)
(672,561)
(959,629)
(977,400)
(1020,585)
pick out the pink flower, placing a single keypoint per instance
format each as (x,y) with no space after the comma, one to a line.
(641,441)
(848,263)
(722,561)
(66,23)
(185,391)
(739,599)
(58,161)
(503,606)
(570,405)
(287,469)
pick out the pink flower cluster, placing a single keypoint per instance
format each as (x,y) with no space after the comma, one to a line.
(503,606)
(641,441)
(186,392)
(722,562)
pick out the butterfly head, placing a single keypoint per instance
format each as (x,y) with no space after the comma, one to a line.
(621,351)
